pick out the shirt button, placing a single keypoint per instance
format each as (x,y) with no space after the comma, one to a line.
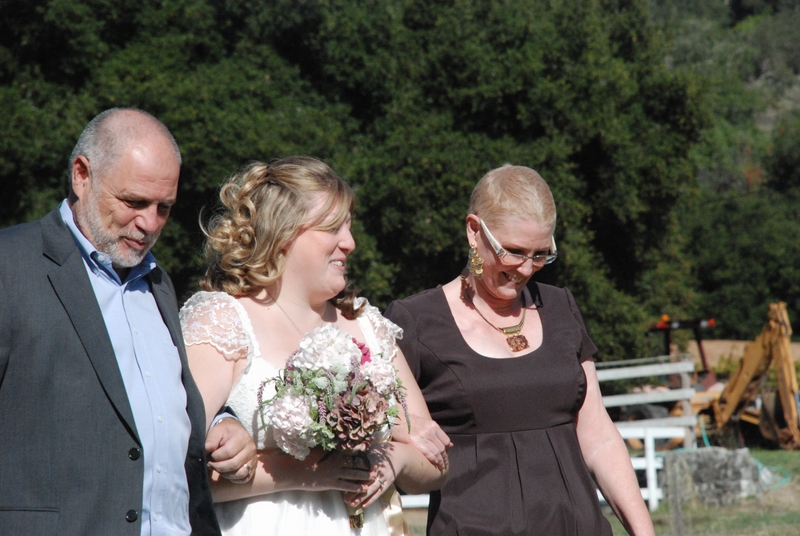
(158,468)
(155,517)
(148,374)
(131,516)
(160,419)
(134,453)
(136,331)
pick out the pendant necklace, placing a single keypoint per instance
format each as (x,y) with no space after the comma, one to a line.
(290,319)
(515,340)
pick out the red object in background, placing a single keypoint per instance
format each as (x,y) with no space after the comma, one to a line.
(666,325)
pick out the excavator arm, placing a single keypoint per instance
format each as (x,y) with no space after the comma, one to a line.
(787,378)
(771,346)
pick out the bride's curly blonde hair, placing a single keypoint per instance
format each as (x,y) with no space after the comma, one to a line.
(263,207)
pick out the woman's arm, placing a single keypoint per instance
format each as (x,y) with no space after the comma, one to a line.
(403,462)
(421,474)
(231,450)
(607,458)
(424,433)
(390,462)
(278,471)
(214,373)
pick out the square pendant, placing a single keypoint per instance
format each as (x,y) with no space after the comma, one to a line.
(517,343)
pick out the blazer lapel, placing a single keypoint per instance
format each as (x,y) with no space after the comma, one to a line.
(73,288)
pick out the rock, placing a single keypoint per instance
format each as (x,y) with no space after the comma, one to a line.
(712,476)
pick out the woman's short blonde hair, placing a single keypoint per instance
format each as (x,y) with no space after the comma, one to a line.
(515,191)
(263,207)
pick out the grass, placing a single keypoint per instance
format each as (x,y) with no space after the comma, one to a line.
(775,513)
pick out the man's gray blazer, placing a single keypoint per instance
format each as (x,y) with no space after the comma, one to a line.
(70,459)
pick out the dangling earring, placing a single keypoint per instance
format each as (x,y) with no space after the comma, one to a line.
(475,262)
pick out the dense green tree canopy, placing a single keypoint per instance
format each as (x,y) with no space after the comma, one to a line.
(412,102)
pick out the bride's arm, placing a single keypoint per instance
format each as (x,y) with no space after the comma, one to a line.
(418,473)
(424,433)
(214,373)
(400,462)
(231,450)
(278,471)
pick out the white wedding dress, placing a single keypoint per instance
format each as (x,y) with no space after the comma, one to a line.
(218,319)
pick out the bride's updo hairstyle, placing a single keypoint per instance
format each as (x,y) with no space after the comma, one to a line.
(263,207)
(516,191)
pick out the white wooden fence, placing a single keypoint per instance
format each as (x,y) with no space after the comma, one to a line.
(651,429)
(648,430)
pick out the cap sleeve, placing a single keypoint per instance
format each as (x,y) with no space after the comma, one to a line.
(587,346)
(216,318)
(382,331)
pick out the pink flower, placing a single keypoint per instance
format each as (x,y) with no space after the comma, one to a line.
(365,355)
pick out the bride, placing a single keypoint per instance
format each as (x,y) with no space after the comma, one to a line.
(277,255)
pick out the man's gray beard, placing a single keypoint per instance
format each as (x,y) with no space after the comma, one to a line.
(108,243)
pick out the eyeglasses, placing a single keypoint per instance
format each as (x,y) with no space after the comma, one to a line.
(515,259)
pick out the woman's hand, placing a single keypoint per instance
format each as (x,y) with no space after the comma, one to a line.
(399,464)
(333,470)
(381,476)
(427,437)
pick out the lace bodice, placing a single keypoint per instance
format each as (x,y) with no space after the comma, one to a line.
(219,319)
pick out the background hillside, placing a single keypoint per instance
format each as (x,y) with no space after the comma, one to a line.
(668,130)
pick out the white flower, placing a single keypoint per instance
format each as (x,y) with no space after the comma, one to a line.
(326,348)
(381,373)
(290,418)
(320,382)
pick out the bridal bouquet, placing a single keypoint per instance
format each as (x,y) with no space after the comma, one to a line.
(333,394)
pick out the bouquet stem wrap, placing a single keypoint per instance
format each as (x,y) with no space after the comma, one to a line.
(356,513)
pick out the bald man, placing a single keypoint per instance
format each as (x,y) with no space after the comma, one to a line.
(102,429)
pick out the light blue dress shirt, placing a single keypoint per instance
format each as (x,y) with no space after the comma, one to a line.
(151,370)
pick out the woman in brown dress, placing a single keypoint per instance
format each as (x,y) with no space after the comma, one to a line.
(505,366)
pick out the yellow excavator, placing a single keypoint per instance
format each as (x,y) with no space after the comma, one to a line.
(744,398)
(775,413)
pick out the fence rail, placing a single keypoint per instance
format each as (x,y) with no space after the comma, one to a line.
(649,430)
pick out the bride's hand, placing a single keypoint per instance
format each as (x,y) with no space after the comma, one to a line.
(382,476)
(334,470)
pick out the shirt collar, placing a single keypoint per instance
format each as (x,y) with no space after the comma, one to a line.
(97,260)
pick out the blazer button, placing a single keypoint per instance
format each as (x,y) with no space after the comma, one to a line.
(131,516)
(134,453)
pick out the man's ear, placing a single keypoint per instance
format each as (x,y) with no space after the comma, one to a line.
(81,176)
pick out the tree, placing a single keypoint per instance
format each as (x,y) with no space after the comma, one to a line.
(745,251)
(582,95)
(783,158)
(411,101)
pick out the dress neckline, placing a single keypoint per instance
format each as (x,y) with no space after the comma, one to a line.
(537,300)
